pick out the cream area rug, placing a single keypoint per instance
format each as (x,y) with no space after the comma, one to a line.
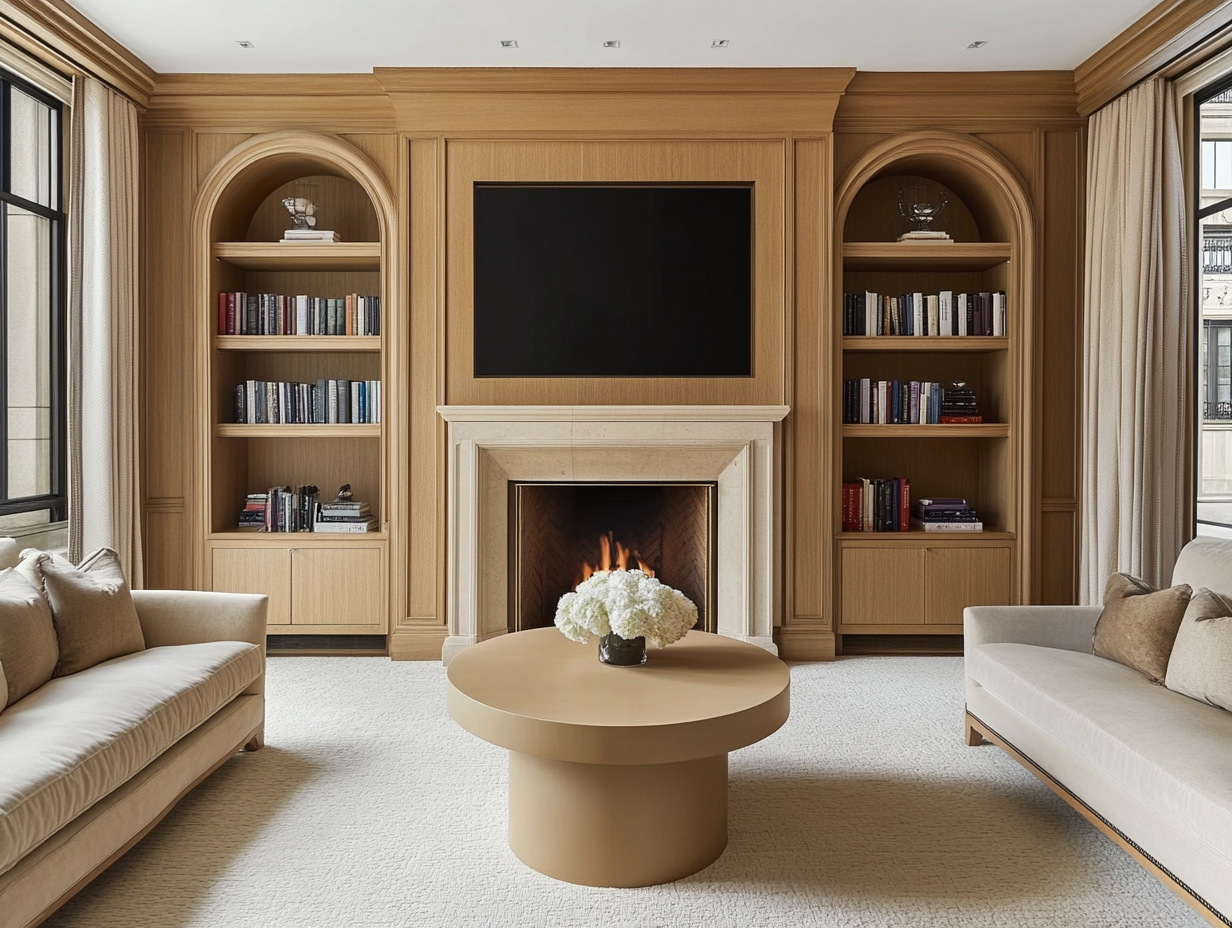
(370,808)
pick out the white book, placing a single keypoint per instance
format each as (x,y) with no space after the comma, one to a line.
(948,526)
(934,313)
(301,315)
(945,312)
(865,399)
(355,402)
(917,313)
(960,310)
(872,318)
(250,402)
(331,387)
(345,528)
(998,323)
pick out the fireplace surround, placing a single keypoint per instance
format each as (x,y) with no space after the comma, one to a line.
(735,448)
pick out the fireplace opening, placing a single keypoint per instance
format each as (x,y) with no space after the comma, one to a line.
(560,532)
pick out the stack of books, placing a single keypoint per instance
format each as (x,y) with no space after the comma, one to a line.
(876,505)
(253,515)
(946,514)
(310,235)
(345,517)
(280,509)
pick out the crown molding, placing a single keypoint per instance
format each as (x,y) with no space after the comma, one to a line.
(57,34)
(615,80)
(1174,35)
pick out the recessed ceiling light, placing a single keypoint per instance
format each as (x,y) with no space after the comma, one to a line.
(719,43)
(612,43)
(978,43)
(245,43)
(509,43)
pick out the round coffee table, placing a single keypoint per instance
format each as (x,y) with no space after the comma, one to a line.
(617,775)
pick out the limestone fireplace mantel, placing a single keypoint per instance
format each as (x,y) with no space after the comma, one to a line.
(735,446)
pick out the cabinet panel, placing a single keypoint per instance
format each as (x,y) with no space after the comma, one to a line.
(337,586)
(256,570)
(958,577)
(883,586)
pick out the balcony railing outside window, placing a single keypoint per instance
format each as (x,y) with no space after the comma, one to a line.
(1217,254)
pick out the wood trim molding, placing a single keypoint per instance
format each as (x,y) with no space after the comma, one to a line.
(614,80)
(56,33)
(963,100)
(1172,32)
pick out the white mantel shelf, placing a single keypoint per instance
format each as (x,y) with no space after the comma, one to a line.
(613,413)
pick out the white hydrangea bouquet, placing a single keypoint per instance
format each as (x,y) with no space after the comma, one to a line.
(627,603)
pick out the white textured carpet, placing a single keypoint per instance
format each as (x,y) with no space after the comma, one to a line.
(370,807)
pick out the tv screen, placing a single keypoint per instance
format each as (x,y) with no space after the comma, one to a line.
(613,281)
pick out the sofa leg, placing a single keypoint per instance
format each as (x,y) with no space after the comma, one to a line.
(257,741)
(974,738)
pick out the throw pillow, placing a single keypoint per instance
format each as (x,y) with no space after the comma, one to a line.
(8,553)
(1201,662)
(92,609)
(28,650)
(1139,623)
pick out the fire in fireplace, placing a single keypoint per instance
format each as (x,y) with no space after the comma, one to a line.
(562,532)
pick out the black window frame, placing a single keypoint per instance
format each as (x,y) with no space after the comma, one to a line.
(55,501)
(1213,408)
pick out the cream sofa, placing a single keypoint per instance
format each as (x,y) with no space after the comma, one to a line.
(1151,768)
(90,762)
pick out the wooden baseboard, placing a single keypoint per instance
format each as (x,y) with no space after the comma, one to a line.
(975,727)
(804,643)
(417,642)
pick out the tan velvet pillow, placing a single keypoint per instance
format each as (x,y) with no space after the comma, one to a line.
(28,650)
(1201,662)
(92,609)
(1139,623)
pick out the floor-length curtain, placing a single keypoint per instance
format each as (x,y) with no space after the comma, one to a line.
(1134,349)
(103,470)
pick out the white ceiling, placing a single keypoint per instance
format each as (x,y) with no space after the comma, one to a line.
(327,36)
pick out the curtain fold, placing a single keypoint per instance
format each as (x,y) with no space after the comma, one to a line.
(104,478)
(1136,322)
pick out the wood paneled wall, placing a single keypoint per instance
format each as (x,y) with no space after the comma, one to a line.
(404,121)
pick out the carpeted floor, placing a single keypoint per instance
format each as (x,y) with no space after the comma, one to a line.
(370,807)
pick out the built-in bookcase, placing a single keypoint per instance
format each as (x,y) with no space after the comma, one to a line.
(322,583)
(913,582)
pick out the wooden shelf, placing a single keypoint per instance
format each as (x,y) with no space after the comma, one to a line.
(920,537)
(240,430)
(967,343)
(924,256)
(974,430)
(297,539)
(370,343)
(305,256)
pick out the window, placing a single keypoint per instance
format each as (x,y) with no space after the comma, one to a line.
(32,322)
(1217,369)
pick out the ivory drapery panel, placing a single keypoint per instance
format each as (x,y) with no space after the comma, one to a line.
(104,478)
(1136,321)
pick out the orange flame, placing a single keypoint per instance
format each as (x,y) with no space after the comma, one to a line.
(605,559)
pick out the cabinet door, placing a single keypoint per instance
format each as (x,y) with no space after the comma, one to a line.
(338,586)
(958,577)
(256,570)
(883,586)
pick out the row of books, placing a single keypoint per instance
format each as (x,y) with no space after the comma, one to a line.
(281,509)
(260,402)
(906,402)
(274,314)
(945,514)
(876,505)
(939,314)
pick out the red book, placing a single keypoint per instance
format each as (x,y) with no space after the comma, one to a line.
(904,505)
(231,329)
(961,420)
(851,507)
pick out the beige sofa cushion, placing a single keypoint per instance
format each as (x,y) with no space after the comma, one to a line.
(92,609)
(9,553)
(1170,750)
(28,651)
(77,738)
(1201,662)
(1138,624)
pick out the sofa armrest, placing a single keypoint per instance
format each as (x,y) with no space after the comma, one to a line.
(170,617)
(1067,627)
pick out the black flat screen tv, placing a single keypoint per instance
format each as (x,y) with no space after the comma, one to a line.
(613,280)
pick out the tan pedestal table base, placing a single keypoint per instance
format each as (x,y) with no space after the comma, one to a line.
(617,824)
(617,776)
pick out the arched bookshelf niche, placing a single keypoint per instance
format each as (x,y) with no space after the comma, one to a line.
(915,582)
(318,583)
